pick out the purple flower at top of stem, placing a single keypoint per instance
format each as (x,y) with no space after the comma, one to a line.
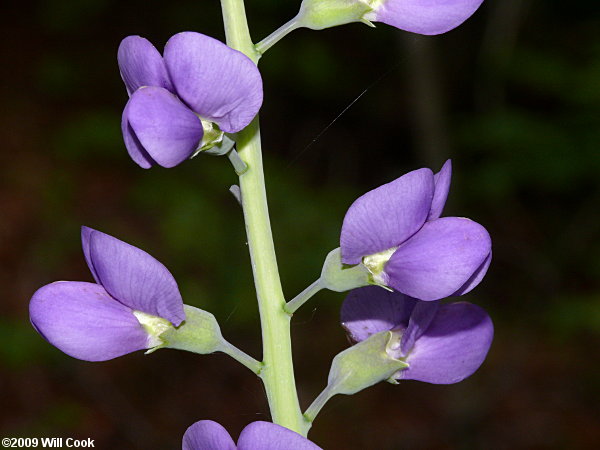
(442,344)
(396,231)
(427,17)
(423,16)
(198,83)
(209,435)
(135,299)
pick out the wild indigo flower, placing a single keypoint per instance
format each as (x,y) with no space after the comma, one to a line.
(176,100)
(417,16)
(442,344)
(209,435)
(135,299)
(396,232)
(423,16)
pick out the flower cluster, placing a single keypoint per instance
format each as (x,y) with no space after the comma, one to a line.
(199,89)
(396,233)
(191,99)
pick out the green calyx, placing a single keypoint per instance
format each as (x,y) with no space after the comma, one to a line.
(320,14)
(363,365)
(340,277)
(357,368)
(199,333)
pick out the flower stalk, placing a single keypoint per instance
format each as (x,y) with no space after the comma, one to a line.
(242,357)
(277,372)
(238,163)
(292,306)
(316,406)
(277,35)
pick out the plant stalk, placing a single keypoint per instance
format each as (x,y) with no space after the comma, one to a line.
(277,372)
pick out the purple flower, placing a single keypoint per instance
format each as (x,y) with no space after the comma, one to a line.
(423,16)
(442,344)
(417,16)
(198,83)
(135,299)
(209,435)
(396,231)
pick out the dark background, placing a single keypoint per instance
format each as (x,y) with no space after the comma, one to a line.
(512,96)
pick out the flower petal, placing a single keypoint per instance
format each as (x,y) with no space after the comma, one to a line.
(269,436)
(386,216)
(141,64)
(166,129)
(369,310)
(86,233)
(425,16)
(439,259)
(453,347)
(220,84)
(442,186)
(420,319)
(476,277)
(135,278)
(133,145)
(207,435)
(85,322)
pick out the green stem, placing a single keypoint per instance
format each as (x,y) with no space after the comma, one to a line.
(236,28)
(278,371)
(292,306)
(277,35)
(317,405)
(242,357)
